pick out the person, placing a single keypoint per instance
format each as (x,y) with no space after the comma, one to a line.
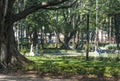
(99,51)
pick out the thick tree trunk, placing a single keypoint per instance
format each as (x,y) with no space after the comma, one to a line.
(3,44)
(8,48)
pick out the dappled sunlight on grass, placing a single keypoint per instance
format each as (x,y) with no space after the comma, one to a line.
(68,65)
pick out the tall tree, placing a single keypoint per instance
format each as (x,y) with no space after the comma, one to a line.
(71,21)
(114,12)
(8,49)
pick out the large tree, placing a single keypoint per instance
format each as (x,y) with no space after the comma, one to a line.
(8,17)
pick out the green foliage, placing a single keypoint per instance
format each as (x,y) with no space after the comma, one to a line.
(24,50)
(41,50)
(91,47)
(74,65)
(26,44)
(111,46)
(63,21)
(37,20)
(25,47)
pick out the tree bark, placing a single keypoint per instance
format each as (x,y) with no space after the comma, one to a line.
(8,48)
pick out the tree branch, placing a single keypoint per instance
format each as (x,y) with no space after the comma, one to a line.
(56,8)
(61,7)
(35,7)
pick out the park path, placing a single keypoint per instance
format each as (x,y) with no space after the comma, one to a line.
(19,78)
(34,77)
(29,78)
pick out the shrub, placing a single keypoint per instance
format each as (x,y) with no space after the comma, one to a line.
(111,46)
(24,51)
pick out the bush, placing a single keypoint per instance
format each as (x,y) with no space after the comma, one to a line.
(111,46)
(24,50)
(92,47)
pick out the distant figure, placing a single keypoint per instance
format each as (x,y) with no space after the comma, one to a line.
(99,51)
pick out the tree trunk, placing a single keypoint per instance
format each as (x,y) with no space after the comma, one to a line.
(8,48)
(117,36)
(87,39)
(67,39)
(66,43)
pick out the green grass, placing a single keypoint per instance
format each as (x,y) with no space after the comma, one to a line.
(65,65)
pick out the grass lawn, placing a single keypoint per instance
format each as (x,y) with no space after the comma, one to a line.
(71,65)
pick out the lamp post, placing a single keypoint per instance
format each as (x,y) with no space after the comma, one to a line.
(87,38)
(42,39)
